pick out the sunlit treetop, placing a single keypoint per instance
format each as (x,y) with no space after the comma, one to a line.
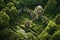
(4,18)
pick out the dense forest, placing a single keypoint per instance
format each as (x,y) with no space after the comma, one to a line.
(29,19)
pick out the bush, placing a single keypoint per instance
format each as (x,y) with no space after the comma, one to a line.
(50,8)
(18,5)
(44,36)
(8,34)
(56,35)
(2,4)
(57,19)
(9,4)
(12,11)
(51,27)
(4,18)
(30,36)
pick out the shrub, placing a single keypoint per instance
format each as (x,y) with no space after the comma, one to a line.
(56,35)
(8,34)
(44,36)
(9,4)
(51,27)
(50,8)
(30,36)
(2,4)
(57,19)
(4,18)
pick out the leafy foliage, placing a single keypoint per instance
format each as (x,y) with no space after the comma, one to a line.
(57,19)
(4,19)
(29,19)
(56,35)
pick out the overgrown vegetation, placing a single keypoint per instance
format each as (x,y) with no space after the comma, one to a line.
(29,19)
